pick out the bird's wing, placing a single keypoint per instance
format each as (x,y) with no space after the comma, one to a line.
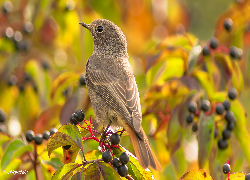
(122,97)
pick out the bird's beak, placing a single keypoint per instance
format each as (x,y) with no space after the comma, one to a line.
(84,25)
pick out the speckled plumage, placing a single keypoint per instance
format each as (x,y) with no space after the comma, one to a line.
(112,87)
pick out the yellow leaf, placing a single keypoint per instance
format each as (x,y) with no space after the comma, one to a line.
(198,174)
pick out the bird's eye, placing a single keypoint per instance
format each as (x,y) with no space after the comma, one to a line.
(99,29)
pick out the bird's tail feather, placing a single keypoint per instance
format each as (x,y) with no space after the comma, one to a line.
(143,151)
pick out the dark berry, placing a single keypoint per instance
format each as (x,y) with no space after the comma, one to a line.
(45,65)
(229,116)
(192,107)
(230,125)
(115,139)
(205,105)
(219,109)
(232,94)
(79,115)
(226,105)
(123,170)
(2,116)
(9,33)
(7,7)
(234,52)
(23,45)
(226,134)
(66,147)
(216,133)
(194,127)
(12,81)
(27,77)
(107,156)
(28,27)
(222,144)
(124,158)
(52,131)
(82,80)
(18,36)
(247,177)
(205,51)
(38,139)
(73,119)
(46,135)
(29,135)
(226,168)
(228,24)
(21,88)
(116,162)
(190,118)
(214,43)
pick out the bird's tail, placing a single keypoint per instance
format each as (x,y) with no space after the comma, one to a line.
(143,151)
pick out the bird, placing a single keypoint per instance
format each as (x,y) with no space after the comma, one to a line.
(113,90)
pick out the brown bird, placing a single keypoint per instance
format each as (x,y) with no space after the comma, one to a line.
(112,88)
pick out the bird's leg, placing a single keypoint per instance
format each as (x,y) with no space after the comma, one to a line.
(104,133)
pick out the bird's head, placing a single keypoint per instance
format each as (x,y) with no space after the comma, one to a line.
(107,36)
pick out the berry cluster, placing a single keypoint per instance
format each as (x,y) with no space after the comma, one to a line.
(77,117)
(234,52)
(17,37)
(224,109)
(38,138)
(118,163)
(192,108)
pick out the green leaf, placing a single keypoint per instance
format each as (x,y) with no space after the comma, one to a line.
(46,173)
(92,172)
(240,129)
(179,162)
(15,149)
(164,70)
(205,138)
(55,162)
(11,167)
(237,77)
(109,172)
(67,134)
(183,107)
(62,82)
(65,172)
(174,133)
(79,176)
(193,57)
(93,155)
(218,96)
(4,137)
(205,81)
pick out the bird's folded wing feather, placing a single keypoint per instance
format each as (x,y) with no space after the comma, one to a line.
(122,97)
